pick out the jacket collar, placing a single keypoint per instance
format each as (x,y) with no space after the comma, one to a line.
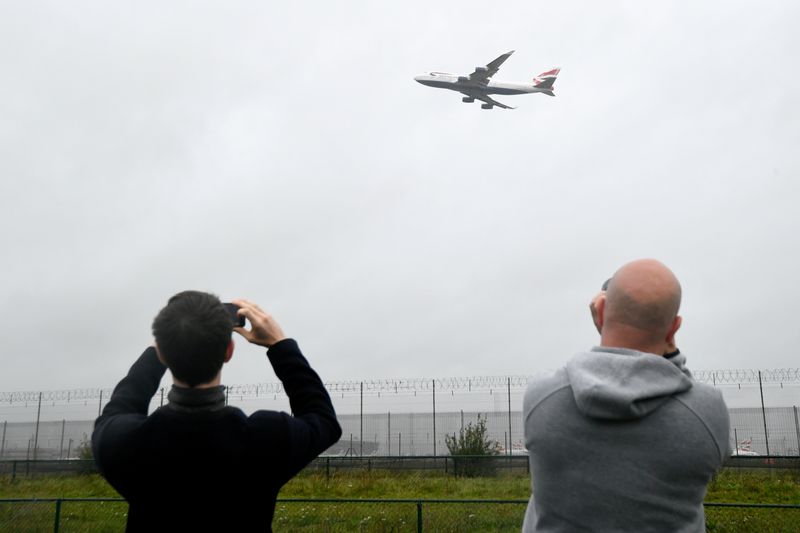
(188,400)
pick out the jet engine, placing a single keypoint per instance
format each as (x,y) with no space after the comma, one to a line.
(468,99)
(463,79)
(486,106)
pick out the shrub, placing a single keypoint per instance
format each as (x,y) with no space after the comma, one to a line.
(86,456)
(84,449)
(472,449)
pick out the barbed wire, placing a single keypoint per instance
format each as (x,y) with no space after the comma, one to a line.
(734,377)
(54,395)
(783,376)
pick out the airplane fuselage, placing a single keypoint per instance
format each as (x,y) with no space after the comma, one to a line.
(462,84)
(479,84)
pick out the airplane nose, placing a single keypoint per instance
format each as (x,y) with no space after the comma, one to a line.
(418,79)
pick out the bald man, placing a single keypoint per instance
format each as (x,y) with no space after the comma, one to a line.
(622,438)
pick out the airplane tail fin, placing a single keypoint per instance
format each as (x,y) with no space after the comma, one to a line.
(545,80)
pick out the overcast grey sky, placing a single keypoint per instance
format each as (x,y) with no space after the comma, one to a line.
(281,151)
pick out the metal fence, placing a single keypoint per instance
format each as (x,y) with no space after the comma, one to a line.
(329,466)
(404,416)
(347,515)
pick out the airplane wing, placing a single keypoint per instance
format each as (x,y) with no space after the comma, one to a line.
(482,74)
(485,98)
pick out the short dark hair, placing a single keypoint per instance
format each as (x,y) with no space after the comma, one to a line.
(192,333)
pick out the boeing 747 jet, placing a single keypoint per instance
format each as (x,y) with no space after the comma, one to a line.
(479,85)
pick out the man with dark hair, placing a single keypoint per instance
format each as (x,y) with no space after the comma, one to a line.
(196,464)
(622,438)
(193,337)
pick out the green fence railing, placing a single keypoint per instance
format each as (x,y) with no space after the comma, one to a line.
(329,465)
(320,514)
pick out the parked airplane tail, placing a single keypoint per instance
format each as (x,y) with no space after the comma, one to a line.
(545,80)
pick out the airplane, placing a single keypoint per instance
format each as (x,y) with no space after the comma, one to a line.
(478,85)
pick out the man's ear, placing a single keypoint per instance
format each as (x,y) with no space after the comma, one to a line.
(228,352)
(673,329)
(600,312)
(158,354)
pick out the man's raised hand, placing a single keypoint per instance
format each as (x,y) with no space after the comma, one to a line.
(264,330)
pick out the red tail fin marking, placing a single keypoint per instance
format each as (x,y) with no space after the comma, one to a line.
(546,78)
(553,72)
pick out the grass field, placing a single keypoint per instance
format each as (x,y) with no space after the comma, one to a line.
(775,487)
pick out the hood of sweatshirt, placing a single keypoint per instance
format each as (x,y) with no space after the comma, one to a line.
(622,384)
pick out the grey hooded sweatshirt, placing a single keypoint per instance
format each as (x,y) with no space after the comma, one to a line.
(621,440)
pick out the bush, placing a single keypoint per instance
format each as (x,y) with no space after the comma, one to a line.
(86,456)
(84,449)
(472,449)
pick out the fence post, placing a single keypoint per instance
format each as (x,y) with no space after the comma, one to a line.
(100,403)
(419,516)
(434,417)
(763,412)
(389,435)
(411,431)
(327,467)
(399,444)
(3,446)
(69,448)
(361,422)
(508,450)
(796,429)
(736,441)
(36,435)
(61,446)
(58,516)
(13,471)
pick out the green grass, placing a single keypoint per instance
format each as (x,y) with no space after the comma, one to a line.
(762,486)
(730,486)
(780,487)
(88,486)
(407,485)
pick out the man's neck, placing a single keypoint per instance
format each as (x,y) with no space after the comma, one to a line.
(631,339)
(216,382)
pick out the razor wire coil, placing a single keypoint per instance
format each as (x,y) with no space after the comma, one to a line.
(782,376)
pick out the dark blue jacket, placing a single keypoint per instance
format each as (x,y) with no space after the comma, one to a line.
(196,464)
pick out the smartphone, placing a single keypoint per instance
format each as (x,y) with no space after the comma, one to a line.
(238,320)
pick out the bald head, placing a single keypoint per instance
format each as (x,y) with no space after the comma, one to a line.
(644,296)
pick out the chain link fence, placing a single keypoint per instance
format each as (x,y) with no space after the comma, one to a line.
(63,515)
(734,517)
(378,515)
(330,466)
(404,417)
